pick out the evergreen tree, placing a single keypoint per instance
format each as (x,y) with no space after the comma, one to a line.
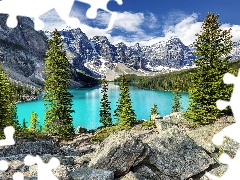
(176,107)
(34,121)
(154,111)
(8,109)
(58,100)
(105,115)
(125,115)
(212,47)
(24,124)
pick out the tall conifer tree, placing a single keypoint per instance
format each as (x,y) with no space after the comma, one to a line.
(105,115)
(124,113)
(154,111)
(212,47)
(34,121)
(176,107)
(8,109)
(58,100)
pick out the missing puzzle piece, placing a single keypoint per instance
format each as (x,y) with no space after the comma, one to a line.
(36,8)
(8,132)
(233,168)
(44,169)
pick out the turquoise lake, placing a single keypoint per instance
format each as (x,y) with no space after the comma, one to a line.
(86,103)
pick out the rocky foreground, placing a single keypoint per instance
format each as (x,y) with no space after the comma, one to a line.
(173,150)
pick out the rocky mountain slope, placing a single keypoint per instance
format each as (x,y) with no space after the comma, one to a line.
(22,51)
(98,56)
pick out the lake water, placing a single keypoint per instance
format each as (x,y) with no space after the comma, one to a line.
(86,103)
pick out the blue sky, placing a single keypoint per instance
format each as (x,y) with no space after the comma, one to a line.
(151,21)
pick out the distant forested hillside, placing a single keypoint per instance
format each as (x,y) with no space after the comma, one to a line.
(168,81)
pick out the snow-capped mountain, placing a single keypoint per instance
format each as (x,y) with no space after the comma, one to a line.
(97,55)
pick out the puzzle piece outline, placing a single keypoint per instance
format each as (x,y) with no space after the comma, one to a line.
(230,131)
(35,8)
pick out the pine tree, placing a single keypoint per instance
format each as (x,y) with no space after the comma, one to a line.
(24,124)
(212,47)
(105,115)
(176,107)
(58,100)
(33,121)
(154,111)
(125,115)
(8,109)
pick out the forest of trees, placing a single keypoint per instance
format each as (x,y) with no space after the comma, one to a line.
(168,81)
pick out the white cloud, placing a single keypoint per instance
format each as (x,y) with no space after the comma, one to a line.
(129,22)
(134,26)
(235,32)
(184,30)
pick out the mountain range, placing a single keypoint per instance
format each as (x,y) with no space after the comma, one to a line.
(22,51)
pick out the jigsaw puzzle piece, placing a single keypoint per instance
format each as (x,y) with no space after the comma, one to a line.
(3,165)
(233,168)
(63,9)
(44,169)
(8,132)
(222,104)
(100,4)
(34,9)
(229,78)
(18,176)
(29,8)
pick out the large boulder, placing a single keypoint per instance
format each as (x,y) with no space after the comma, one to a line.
(174,119)
(119,152)
(176,155)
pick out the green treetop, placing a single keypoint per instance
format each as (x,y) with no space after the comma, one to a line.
(154,111)
(124,113)
(105,115)
(8,109)
(58,100)
(33,121)
(176,107)
(212,48)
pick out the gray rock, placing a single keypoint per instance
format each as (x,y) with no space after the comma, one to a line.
(177,155)
(119,152)
(230,147)
(129,176)
(80,130)
(18,165)
(60,172)
(143,173)
(33,148)
(174,119)
(64,160)
(155,117)
(85,173)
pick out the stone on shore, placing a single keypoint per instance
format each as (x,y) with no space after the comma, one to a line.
(177,155)
(119,152)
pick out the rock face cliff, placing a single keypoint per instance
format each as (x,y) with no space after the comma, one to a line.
(22,50)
